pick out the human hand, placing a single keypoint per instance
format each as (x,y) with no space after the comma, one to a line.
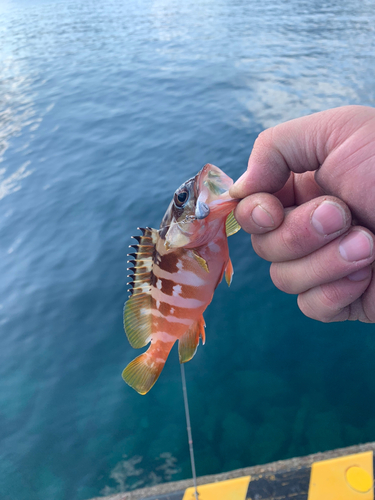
(321,171)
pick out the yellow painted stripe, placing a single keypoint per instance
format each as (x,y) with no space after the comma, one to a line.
(232,489)
(344,478)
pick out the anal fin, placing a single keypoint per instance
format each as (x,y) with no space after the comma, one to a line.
(188,343)
(202,333)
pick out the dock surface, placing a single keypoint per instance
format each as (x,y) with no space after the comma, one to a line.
(342,474)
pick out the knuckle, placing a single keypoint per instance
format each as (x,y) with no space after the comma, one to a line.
(292,240)
(358,313)
(313,306)
(263,145)
(281,279)
(330,297)
(307,309)
(264,138)
(259,246)
(369,306)
(318,271)
(295,233)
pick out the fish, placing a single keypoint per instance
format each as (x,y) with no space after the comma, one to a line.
(174,272)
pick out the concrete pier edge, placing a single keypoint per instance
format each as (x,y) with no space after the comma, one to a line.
(257,471)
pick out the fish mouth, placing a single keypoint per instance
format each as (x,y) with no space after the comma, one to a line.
(213,179)
(213,187)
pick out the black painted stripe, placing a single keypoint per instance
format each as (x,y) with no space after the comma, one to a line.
(291,484)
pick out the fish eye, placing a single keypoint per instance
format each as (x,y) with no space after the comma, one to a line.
(181,198)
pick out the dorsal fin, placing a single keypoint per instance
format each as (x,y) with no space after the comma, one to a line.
(137,310)
(141,263)
(231,225)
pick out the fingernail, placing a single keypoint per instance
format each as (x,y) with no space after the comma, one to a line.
(360,275)
(328,218)
(356,246)
(261,217)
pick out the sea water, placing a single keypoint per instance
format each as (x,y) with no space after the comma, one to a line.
(105,109)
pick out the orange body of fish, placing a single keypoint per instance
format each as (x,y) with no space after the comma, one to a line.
(175,272)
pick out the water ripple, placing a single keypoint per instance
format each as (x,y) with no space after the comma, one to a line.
(110,106)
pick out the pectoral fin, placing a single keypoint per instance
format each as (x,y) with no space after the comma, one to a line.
(201,261)
(231,225)
(188,343)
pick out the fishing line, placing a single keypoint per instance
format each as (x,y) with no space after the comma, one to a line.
(188,426)
(187,220)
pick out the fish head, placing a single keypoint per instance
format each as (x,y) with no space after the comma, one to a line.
(198,210)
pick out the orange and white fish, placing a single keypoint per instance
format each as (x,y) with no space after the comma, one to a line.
(175,272)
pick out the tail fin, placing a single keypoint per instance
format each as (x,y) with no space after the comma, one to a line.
(143,371)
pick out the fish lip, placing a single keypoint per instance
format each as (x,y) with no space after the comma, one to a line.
(217,203)
(202,210)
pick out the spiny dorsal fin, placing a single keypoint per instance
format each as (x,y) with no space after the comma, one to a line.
(137,310)
(231,225)
(188,343)
(141,264)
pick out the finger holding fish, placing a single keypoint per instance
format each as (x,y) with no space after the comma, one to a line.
(259,213)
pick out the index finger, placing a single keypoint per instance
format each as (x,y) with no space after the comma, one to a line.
(299,146)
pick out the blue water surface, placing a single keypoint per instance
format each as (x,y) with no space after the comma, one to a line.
(105,109)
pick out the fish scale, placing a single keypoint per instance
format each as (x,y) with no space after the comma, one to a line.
(174,272)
